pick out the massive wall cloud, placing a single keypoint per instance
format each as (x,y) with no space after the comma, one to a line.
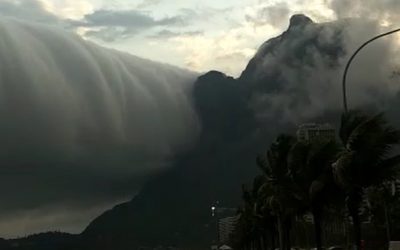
(80,125)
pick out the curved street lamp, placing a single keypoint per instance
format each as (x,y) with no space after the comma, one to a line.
(351,60)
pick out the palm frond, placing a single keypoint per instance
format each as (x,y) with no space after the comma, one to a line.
(369,141)
(349,121)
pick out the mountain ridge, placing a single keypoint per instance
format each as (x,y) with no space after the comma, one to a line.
(229,141)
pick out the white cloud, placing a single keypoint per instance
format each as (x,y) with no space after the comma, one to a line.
(68,9)
(227,33)
(229,47)
(225,50)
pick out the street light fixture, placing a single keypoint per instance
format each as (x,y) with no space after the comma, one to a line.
(351,60)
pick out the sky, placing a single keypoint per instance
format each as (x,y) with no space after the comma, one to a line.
(198,35)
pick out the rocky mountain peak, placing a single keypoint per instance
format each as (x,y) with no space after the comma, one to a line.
(299,20)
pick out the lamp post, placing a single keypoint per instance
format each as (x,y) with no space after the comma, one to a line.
(214,213)
(351,60)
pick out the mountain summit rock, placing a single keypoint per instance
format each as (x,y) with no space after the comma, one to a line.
(299,20)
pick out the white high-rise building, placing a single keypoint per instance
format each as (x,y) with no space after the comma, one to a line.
(314,131)
(226,227)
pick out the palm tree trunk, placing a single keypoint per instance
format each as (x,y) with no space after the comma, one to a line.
(287,233)
(317,227)
(281,233)
(353,205)
(263,243)
(273,234)
(259,243)
(265,240)
(387,222)
(357,230)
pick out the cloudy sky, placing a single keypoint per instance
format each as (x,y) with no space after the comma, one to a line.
(199,35)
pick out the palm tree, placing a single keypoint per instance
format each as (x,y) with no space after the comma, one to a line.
(277,190)
(246,224)
(366,159)
(264,218)
(310,170)
(381,199)
(251,226)
(268,223)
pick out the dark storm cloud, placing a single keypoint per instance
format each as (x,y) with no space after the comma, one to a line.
(128,18)
(111,25)
(111,34)
(106,25)
(82,125)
